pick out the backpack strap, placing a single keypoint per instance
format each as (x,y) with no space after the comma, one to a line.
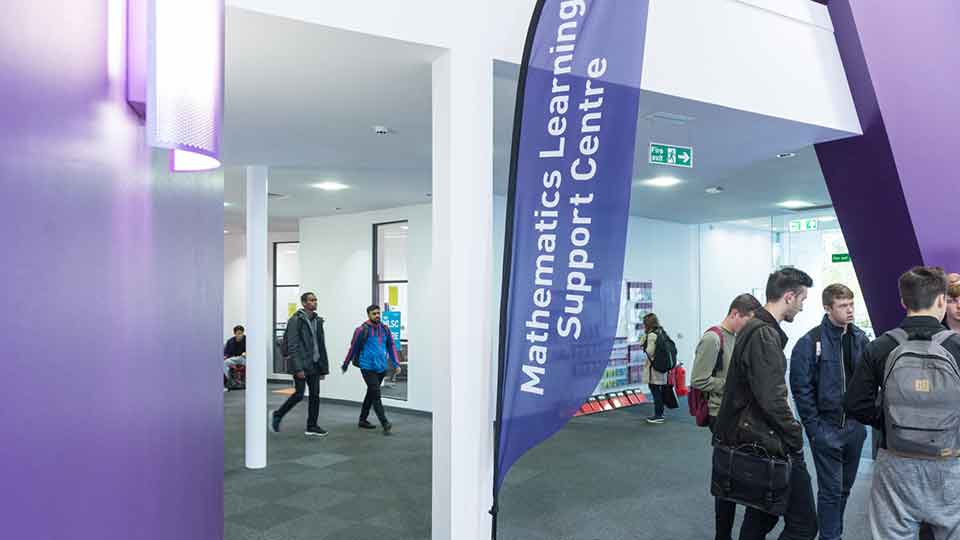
(899,335)
(941,337)
(718,363)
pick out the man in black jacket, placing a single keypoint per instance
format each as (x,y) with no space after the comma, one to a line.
(755,410)
(907,490)
(308,363)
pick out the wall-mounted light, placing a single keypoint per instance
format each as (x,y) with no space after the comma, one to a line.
(175,77)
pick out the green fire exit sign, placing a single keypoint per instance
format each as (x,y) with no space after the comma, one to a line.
(841,257)
(804,225)
(668,154)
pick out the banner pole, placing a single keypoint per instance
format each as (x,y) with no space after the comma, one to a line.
(508,255)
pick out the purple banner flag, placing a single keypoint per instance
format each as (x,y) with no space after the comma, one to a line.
(570,181)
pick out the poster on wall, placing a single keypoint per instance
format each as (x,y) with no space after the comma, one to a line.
(392,320)
(567,208)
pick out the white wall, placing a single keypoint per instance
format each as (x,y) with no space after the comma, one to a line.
(235,281)
(336,262)
(735,260)
(773,57)
(666,254)
(778,58)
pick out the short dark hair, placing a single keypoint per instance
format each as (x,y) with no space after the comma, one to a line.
(371,308)
(238,328)
(836,291)
(651,321)
(786,280)
(304,296)
(921,285)
(745,304)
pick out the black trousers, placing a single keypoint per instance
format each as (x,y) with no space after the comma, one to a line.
(311,379)
(801,517)
(657,391)
(724,511)
(373,381)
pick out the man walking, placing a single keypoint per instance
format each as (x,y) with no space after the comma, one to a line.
(306,349)
(755,410)
(373,351)
(821,368)
(710,365)
(914,372)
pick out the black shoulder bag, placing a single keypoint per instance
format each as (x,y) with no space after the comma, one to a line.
(750,476)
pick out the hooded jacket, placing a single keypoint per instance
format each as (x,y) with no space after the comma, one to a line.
(302,345)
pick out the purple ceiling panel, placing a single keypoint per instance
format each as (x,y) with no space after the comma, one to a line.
(895,187)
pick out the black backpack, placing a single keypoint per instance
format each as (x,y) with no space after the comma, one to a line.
(665,356)
(355,360)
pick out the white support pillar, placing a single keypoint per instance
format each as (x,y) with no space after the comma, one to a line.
(463,388)
(258,334)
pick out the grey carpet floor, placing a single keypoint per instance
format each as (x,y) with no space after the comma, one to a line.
(605,477)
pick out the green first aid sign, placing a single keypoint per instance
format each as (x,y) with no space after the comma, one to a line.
(668,154)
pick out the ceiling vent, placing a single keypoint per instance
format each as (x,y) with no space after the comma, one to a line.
(670,118)
(811,208)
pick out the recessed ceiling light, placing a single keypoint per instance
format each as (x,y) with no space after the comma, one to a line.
(662,182)
(226,231)
(331,186)
(786,155)
(794,204)
(715,190)
(226,204)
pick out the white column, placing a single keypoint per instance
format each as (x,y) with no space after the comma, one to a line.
(258,334)
(463,389)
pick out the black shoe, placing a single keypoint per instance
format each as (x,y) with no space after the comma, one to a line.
(315,432)
(387,428)
(275,422)
(366,425)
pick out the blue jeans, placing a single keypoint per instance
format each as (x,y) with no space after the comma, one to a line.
(836,455)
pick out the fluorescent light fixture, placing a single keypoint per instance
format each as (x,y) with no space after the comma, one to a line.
(186,161)
(185,80)
(662,182)
(792,204)
(331,186)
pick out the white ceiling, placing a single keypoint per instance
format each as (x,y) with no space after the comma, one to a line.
(304,98)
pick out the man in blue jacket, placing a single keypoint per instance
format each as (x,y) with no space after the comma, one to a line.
(373,351)
(821,368)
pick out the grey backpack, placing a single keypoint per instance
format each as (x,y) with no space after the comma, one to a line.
(920,397)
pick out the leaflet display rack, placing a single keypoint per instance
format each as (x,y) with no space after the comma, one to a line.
(622,383)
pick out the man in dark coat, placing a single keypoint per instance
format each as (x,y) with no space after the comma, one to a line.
(307,359)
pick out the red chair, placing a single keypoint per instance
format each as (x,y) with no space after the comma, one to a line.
(238,376)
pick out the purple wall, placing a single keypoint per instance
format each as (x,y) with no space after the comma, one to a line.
(896,188)
(111,289)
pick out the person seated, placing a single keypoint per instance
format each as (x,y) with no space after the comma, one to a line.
(234,354)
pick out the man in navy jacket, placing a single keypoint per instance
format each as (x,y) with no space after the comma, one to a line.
(821,368)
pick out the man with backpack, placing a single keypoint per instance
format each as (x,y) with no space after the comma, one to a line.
(373,350)
(821,368)
(708,377)
(305,348)
(755,415)
(913,370)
